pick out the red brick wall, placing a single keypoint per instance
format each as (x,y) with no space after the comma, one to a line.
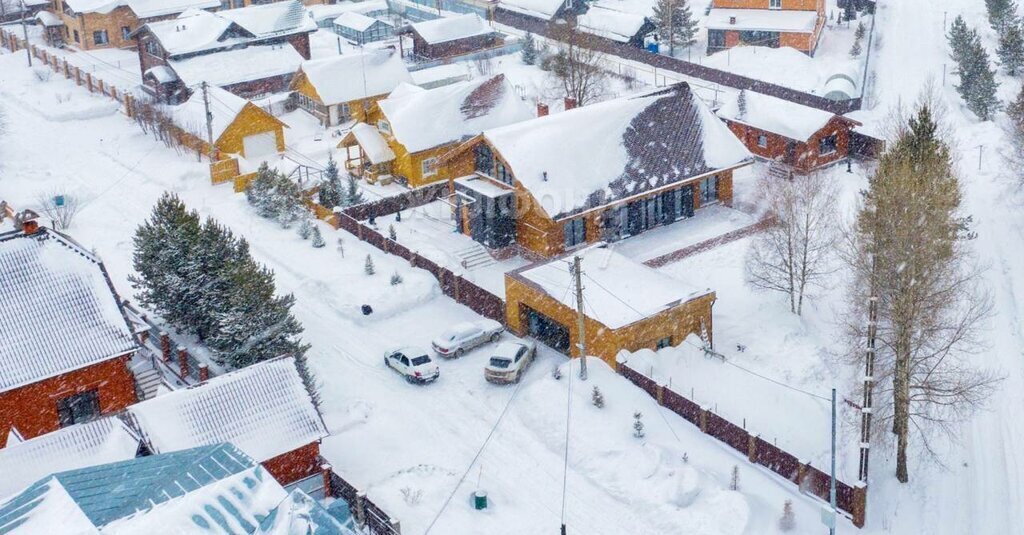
(32,409)
(294,465)
(806,154)
(301,44)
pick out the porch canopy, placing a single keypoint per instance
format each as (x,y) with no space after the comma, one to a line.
(372,145)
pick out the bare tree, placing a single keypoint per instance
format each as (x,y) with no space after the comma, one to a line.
(59,207)
(795,252)
(909,251)
(577,64)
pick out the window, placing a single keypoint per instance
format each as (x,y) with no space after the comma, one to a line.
(77,40)
(99,37)
(483,159)
(663,343)
(503,174)
(762,141)
(344,112)
(759,38)
(383,126)
(709,189)
(126,32)
(827,145)
(575,232)
(716,39)
(152,48)
(429,166)
(774,4)
(78,408)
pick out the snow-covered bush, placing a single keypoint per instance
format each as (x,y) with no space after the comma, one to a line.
(368,266)
(305,228)
(597,398)
(396,279)
(788,520)
(318,239)
(734,481)
(392,234)
(638,424)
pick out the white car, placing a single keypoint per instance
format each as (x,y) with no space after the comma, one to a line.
(462,337)
(509,361)
(413,363)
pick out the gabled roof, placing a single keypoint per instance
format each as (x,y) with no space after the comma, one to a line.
(620,291)
(542,9)
(300,514)
(270,20)
(320,12)
(340,79)
(224,107)
(777,20)
(357,21)
(263,409)
(144,9)
(59,310)
(373,144)
(101,441)
(776,115)
(613,24)
(447,29)
(454,112)
(229,67)
(597,154)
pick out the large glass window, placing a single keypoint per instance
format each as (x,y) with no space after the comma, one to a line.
(575,232)
(504,174)
(78,408)
(709,189)
(716,39)
(483,159)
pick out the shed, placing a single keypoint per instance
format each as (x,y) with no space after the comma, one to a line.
(451,36)
(627,305)
(237,125)
(361,29)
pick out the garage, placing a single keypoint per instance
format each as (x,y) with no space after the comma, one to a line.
(260,144)
(547,331)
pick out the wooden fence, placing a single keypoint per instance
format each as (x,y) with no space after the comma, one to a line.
(367,514)
(850,499)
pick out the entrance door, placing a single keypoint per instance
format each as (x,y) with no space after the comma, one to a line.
(259,145)
(548,331)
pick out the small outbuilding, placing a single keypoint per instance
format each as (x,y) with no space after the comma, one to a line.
(451,36)
(237,125)
(361,29)
(627,305)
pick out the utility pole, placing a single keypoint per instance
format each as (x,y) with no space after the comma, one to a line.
(209,117)
(581,324)
(832,482)
(869,379)
(24,30)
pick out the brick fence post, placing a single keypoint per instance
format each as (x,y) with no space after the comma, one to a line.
(359,508)
(88,81)
(204,372)
(704,420)
(182,362)
(860,503)
(78,75)
(660,394)
(801,473)
(325,472)
(67,69)
(165,347)
(752,448)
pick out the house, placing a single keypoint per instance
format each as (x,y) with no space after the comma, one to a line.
(13,11)
(454,112)
(263,409)
(65,342)
(361,29)
(91,24)
(627,306)
(325,14)
(451,36)
(545,10)
(237,126)
(771,23)
(606,19)
(801,137)
(216,488)
(249,51)
(597,173)
(100,441)
(339,89)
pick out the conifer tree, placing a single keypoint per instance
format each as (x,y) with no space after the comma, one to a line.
(396,279)
(352,194)
(597,398)
(1011,49)
(977,79)
(368,266)
(259,191)
(741,105)
(529,52)
(788,520)
(675,23)
(287,197)
(855,49)
(211,266)
(331,193)
(959,38)
(305,228)
(1002,14)
(638,424)
(318,240)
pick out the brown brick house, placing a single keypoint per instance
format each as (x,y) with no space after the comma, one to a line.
(64,340)
(598,173)
(451,36)
(771,23)
(90,24)
(801,137)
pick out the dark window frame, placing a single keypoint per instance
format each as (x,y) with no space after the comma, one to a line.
(79,408)
(828,145)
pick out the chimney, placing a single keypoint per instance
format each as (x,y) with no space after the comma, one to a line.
(732,20)
(27,221)
(542,109)
(570,103)
(30,226)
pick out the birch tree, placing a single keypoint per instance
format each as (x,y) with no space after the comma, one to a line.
(794,254)
(578,64)
(910,251)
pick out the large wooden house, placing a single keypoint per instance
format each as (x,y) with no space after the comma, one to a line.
(454,114)
(451,36)
(771,23)
(597,173)
(65,342)
(250,51)
(339,89)
(91,24)
(798,136)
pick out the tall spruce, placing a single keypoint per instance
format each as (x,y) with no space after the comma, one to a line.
(352,194)
(1011,49)
(331,193)
(1002,14)
(259,191)
(529,51)
(959,38)
(675,23)
(978,83)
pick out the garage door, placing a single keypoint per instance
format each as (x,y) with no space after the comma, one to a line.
(547,331)
(259,145)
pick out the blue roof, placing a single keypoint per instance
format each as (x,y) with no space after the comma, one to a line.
(302,514)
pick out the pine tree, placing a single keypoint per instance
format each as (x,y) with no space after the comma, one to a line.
(1015,133)
(638,424)
(855,49)
(1011,49)
(308,378)
(368,266)
(331,193)
(858,34)
(352,194)
(741,105)
(218,254)
(305,228)
(318,239)
(597,398)
(978,84)
(392,234)
(341,247)
(788,520)
(288,197)
(259,191)
(1002,14)
(734,481)
(529,52)
(675,23)
(959,38)
(396,279)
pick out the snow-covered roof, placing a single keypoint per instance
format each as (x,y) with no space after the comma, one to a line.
(357,21)
(340,79)
(262,409)
(144,9)
(331,11)
(224,109)
(239,65)
(269,20)
(620,291)
(613,24)
(299,514)
(161,73)
(48,19)
(777,20)
(596,154)
(543,9)
(44,508)
(372,143)
(440,75)
(448,29)
(483,186)
(94,6)
(776,115)
(101,441)
(454,112)
(59,310)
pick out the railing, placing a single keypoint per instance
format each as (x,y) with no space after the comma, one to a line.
(367,514)
(169,354)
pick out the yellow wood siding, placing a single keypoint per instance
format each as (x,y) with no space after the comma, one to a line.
(252,120)
(301,84)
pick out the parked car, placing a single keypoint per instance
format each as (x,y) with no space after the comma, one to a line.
(465,336)
(509,361)
(413,363)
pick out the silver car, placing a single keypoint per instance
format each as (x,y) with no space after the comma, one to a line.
(462,337)
(509,361)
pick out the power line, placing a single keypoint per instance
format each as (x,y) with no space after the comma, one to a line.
(565,465)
